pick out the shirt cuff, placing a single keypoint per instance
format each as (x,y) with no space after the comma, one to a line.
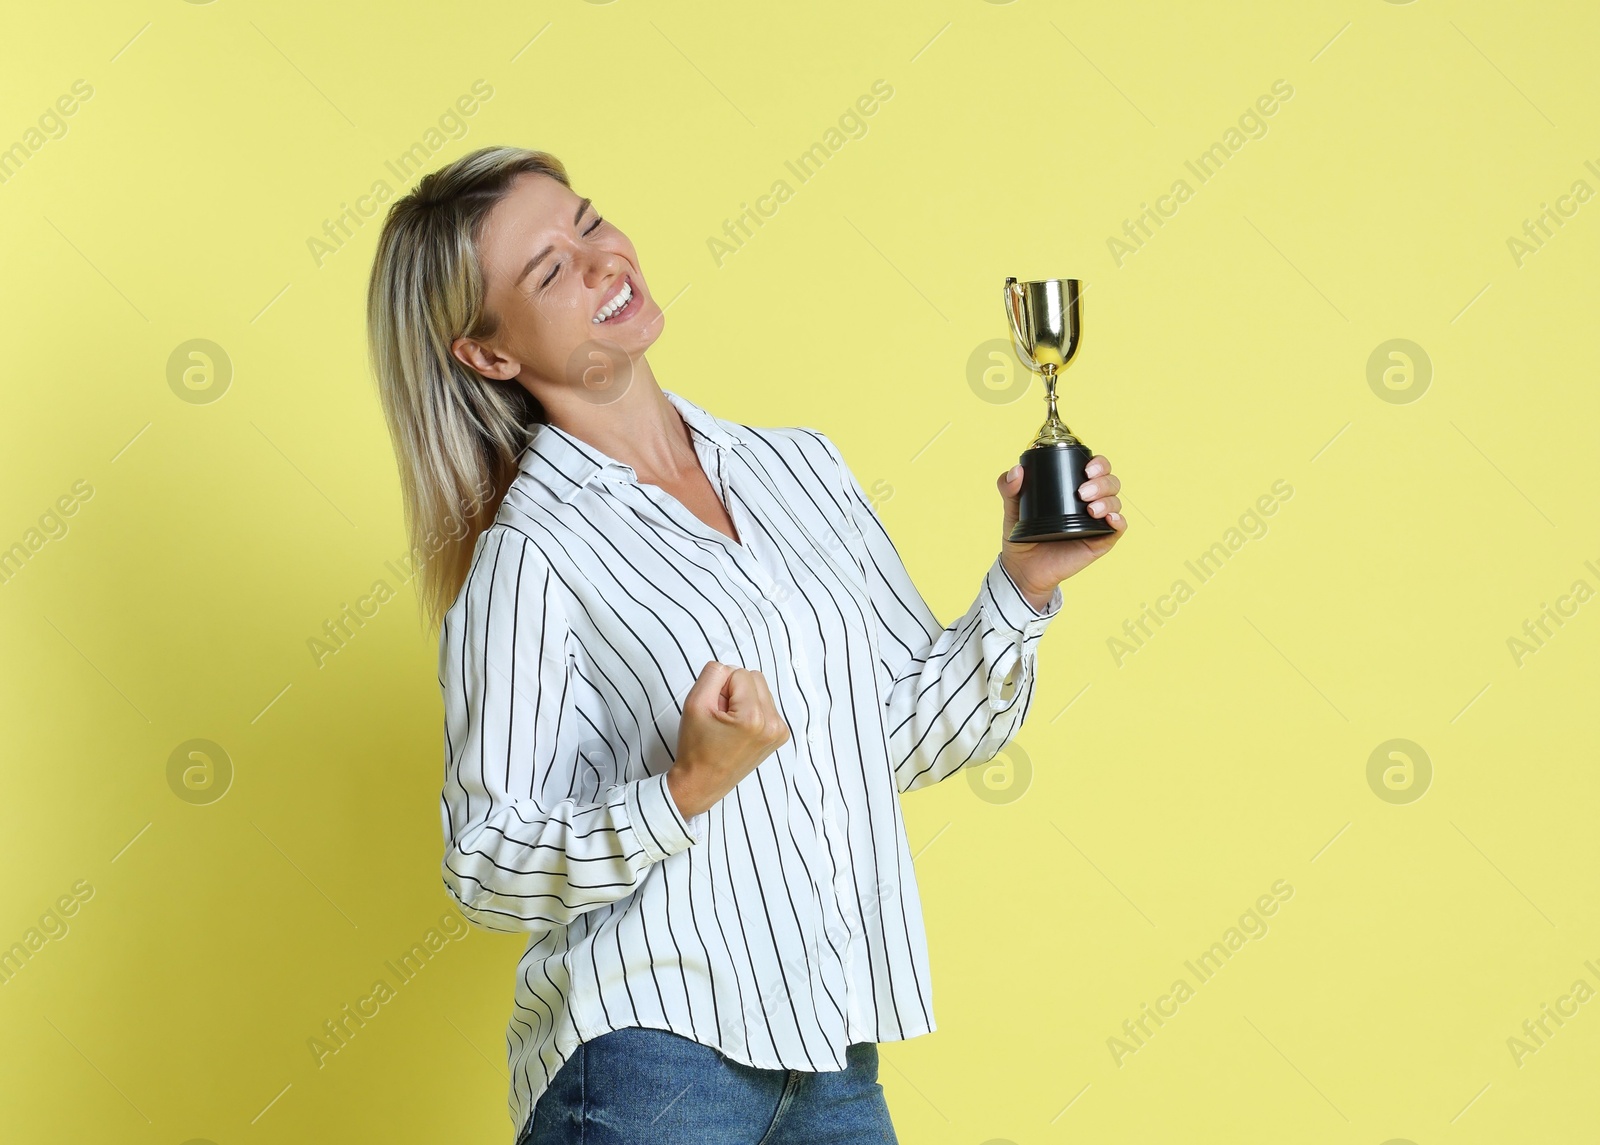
(1010,609)
(657,823)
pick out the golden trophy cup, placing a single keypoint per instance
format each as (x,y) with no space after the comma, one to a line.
(1046,324)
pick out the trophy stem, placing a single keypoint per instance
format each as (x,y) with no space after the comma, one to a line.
(1054,431)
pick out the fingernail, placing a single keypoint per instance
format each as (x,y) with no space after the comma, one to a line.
(1015,471)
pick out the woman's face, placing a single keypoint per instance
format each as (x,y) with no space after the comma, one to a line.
(552,266)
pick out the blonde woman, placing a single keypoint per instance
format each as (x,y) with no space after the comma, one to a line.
(686,678)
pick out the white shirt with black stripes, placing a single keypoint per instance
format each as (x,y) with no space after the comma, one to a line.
(782,924)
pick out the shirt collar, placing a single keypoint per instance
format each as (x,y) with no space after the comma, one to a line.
(565,463)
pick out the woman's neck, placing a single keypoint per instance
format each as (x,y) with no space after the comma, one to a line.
(641,428)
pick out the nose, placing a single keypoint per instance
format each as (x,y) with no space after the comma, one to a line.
(602,266)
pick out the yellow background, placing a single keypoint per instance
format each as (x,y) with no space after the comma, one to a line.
(1061,893)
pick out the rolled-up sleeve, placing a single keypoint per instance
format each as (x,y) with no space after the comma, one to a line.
(953,694)
(524,850)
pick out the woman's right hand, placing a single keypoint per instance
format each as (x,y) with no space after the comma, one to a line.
(730,724)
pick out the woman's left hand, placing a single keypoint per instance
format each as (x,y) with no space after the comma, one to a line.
(1038,566)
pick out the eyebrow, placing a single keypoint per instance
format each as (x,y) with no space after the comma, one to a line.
(528,269)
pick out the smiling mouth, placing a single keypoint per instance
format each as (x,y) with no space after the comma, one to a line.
(623,303)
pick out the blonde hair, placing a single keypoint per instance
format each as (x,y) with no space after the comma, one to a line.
(457,435)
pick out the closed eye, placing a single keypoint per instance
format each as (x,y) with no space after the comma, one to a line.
(555,270)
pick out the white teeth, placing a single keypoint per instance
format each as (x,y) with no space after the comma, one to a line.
(622,299)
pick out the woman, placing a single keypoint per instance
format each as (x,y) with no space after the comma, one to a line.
(686,677)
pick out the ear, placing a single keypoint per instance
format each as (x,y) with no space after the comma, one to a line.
(485,360)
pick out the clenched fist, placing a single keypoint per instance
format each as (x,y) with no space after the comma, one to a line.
(730,724)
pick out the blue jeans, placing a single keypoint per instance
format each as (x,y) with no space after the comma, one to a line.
(637,1085)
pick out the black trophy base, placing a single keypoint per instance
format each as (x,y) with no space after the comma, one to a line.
(1048,507)
(1067,527)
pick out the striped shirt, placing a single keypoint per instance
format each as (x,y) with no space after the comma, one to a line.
(783,924)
